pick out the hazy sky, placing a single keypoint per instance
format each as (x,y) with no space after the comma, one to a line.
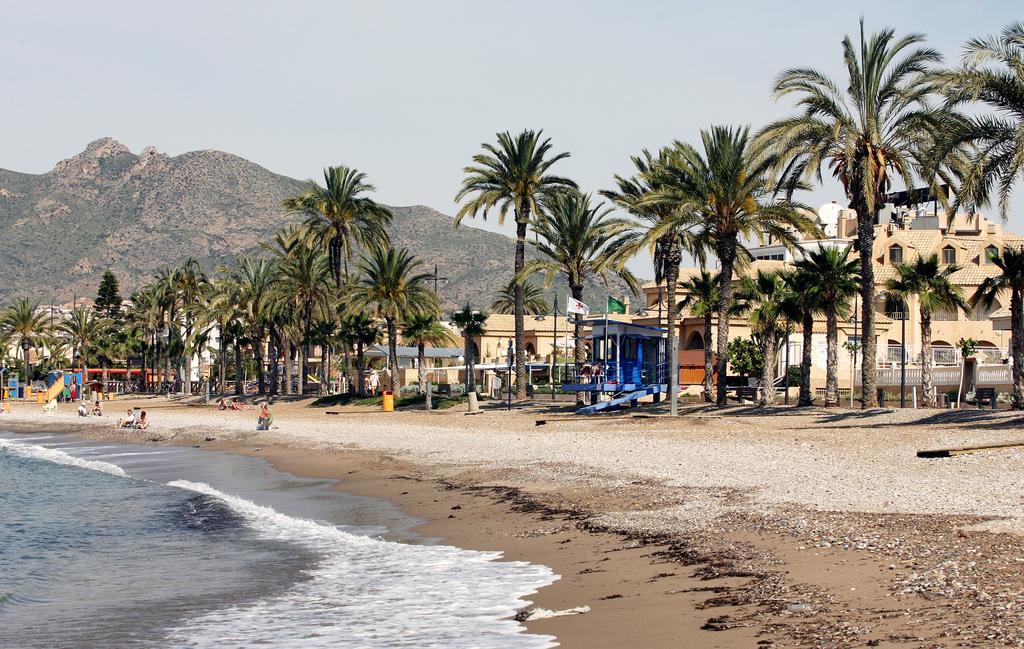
(407,91)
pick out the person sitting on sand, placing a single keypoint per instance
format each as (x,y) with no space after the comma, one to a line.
(82,412)
(97,409)
(143,422)
(127,422)
(265,418)
(236,405)
(221,405)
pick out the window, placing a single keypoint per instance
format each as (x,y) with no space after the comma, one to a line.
(991,252)
(949,255)
(895,254)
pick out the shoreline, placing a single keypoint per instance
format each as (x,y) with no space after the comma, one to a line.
(660,564)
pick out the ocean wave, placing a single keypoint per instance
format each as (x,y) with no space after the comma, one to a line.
(367,592)
(59,457)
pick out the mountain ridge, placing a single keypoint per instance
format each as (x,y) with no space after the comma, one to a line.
(107,207)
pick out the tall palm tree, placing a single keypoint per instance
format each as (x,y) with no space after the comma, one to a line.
(992,75)
(929,281)
(533,299)
(472,324)
(1010,262)
(702,301)
(424,329)
(304,282)
(190,285)
(764,296)
(875,126)
(514,175)
(251,284)
(392,288)
(28,327)
(726,194)
(804,305)
(666,229)
(362,331)
(341,217)
(224,310)
(835,280)
(577,239)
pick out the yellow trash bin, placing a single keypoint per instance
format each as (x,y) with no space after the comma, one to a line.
(389,401)
(40,397)
(28,392)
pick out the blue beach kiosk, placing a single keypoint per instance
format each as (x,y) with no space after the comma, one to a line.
(627,362)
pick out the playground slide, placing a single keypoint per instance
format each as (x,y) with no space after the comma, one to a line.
(622,399)
(54,390)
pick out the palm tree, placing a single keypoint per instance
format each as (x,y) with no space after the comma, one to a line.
(424,329)
(472,324)
(1010,262)
(875,125)
(835,279)
(804,305)
(83,329)
(27,326)
(304,283)
(533,299)
(392,289)
(992,74)
(251,285)
(666,229)
(577,239)
(341,217)
(764,296)
(513,175)
(702,301)
(190,285)
(362,331)
(724,194)
(929,281)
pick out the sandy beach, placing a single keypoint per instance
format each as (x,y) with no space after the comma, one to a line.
(732,527)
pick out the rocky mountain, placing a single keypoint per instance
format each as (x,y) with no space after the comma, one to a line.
(137,213)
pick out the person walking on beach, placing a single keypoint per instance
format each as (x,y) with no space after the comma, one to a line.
(374,382)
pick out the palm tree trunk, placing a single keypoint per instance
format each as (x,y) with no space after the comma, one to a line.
(1017,347)
(807,350)
(106,379)
(709,360)
(577,332)
(421,360)
(832,358)
(360,369)
(348,369)
(28,366)
(865,240)
(238,368)
(257,353)
(393,353)
(928,389)
(187,386)
(470,378)
(674,258)
(771,357)
(303,368)
(222,364)
(726,249)
(275,353)
(522,220)
(289,352)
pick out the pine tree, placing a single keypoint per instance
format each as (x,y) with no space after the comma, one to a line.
(108,297)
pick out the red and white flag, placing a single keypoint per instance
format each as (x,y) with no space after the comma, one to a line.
(575,306)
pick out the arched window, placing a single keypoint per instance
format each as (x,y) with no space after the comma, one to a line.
(896,254)
(949,255)
(696,341)
(991,252)
(895,308)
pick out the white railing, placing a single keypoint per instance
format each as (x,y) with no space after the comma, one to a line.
(985,375)
(941,356)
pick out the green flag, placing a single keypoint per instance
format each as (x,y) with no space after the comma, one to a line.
(614,306)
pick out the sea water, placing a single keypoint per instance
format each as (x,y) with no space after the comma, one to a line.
(106,545)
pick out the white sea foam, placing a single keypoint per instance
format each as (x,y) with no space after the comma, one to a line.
(366,592)
(59,457)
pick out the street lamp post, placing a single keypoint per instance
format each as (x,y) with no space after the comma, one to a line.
(554,349)
(903,355)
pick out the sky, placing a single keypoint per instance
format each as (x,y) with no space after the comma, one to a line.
(407,91)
